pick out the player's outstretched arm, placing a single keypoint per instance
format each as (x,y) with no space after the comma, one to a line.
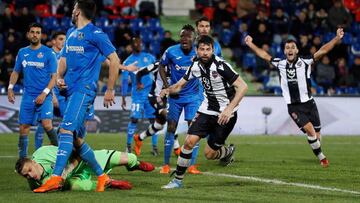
(109,97)
(240,90)
(173,89)
(13,79)
(139,75)
(259,52)
(330,45)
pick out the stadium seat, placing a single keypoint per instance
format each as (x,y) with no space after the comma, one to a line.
(320,90)
(154,47)
(276,49)
(50,23)
(352,90)
(347,38)
(110,31)
(65,23)
(249,60)
(117,21)
(102,22)
(328,36)
(154,24)
(226,36)
(136,24)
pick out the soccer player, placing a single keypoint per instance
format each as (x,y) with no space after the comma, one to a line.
(216,117)
(86,46)
(295,84)
(156,102)
(77,174)
(58,40)
(178,59)
(34,61)
(140,105)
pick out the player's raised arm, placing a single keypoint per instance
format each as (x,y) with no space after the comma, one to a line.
(259,52)
(330,45)
(174,89)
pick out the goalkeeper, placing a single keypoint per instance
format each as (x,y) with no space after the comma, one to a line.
(77,174)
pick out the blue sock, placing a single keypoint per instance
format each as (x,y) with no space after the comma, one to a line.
(39,136)
(130,132)
(195,154)
(23,146)
(87,154)
(66,142)
(53,137)
(154,139)
(168,144)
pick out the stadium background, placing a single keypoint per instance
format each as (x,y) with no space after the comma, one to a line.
(267,168)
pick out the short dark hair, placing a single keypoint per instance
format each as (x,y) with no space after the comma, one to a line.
(203,18)
(205,39)
(291,41)
(188,27)
(35,24)
(58,33)
(88,8)
(19,165)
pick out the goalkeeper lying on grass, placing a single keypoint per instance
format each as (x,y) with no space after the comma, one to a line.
(77,174)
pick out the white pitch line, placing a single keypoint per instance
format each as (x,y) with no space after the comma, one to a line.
(7,157)
(279,182)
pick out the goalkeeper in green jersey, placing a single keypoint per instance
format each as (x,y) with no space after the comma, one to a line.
(77,174)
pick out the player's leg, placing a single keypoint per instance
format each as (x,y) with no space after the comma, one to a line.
(39,136)
(46,116)
(136,114)
(27,116)
(173,118)
(190,111)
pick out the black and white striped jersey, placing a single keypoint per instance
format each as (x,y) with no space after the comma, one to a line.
(217,79)
(157,84)
(295,79)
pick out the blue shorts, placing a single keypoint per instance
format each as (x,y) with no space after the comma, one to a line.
(31,114)
(62,100)
(176,106)
(142,109)
(78,106)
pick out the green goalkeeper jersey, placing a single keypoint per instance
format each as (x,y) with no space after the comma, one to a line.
(46,157)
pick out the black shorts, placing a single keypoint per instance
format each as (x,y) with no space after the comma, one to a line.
(304,113)
(203,125)
(156,105)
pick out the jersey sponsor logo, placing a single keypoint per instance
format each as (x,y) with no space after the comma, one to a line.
(33,63)
(40,55)
(146,60)
(206,83)
(77,49)
(177,67)
(291,75)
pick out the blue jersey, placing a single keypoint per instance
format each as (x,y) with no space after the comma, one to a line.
(178,63)
(217,48)
(143,59)
(37,67)
(84,51)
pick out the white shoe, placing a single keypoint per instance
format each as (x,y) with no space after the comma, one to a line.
(174,183)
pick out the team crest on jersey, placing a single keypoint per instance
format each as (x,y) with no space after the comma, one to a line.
(214,74)
(40,55)
(80,35)
(146,60)
(291,73)
(299,64)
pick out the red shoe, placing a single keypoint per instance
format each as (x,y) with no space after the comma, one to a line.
(54,183)
(193,170)
(146,166)
(138,144)
(324,163)
(102,182)
(120,184)
(177,151)
(165,169)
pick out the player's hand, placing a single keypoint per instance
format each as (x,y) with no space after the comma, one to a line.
(40,99)
(132,67)
(225,116)
(123,103)
(248,40)
(164,93)
(340,33)
(11,96)
(109,98)
(61,84)
(159,100)
(139,86)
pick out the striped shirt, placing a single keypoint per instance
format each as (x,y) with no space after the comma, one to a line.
(295,79)
(217,79)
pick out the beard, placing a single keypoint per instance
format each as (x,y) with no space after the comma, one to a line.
(34,42)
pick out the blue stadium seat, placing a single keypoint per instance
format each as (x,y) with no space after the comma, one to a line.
(276,50)
(117,21)
(249,60)
(320,90)
(352,90)
(110,31)
(135,24)
(154,47)
(328,36)
(154,24)
(50,23)
(226,36)
(65,23)
(347,38)
(102,22)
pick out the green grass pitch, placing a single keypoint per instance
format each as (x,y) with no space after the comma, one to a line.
(279,158)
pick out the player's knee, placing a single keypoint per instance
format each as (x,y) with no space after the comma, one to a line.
(134,120)
(171,126)
(189,144)
(24,129)
(161,119)
(78,142)
(47,126)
